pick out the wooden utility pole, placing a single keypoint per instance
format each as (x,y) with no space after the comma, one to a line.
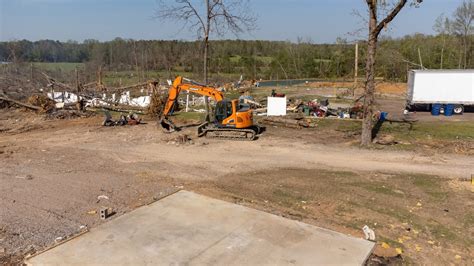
(187,101)
(356,63)
(31,72)
(356,67)
(254,64)
(419,57)
(52,92)
(77,80)
(99,78)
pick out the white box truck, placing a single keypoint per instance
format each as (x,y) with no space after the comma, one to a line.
(428,87)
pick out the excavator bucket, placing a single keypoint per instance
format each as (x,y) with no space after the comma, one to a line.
(168,126)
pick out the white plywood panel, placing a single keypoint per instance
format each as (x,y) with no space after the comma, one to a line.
(276,106)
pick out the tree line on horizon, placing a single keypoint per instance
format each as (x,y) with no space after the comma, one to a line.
(252,59)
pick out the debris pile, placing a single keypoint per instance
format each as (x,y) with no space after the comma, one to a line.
(319,108)
(46,104)
(156,105)
(57,100)
(131,120)
(322,108)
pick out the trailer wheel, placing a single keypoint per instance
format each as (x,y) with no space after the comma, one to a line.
(458,109)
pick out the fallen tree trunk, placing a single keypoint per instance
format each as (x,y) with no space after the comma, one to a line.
(115,109)
(282,124)
(120,89)
(251,102)
(90,84)
(57,83)
(292,123)
(401,120)
(144,84)
(261,110)
(29,106)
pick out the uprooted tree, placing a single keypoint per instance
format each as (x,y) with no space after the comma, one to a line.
(206,17)
(381,13)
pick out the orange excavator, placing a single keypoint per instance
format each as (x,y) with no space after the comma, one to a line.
(230,120)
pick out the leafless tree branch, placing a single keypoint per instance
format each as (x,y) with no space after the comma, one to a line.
(390,16)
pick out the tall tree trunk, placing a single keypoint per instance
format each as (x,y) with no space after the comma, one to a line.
(374,31)
(137,68)
(205,59)
(460,58)
(369,98)
(442,57)
(470,49)
(465,51)
(442,51)
(205,78)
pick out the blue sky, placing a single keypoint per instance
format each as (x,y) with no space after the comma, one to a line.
(322,21)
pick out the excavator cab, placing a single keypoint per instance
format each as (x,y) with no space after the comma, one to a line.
(230,113)
(224,109)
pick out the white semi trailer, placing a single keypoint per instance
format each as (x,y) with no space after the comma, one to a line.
(428,87)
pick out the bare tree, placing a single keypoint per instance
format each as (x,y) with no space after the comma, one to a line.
(377,22)
(13,49)
(442,27)
(462,26)
(207,17)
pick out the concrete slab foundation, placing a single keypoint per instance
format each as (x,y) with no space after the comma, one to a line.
(187,228)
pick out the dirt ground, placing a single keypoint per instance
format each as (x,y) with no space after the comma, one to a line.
(381,87)
(55,176)
(52,173)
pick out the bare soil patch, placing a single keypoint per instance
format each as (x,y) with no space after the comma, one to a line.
(428,218)
(52,174)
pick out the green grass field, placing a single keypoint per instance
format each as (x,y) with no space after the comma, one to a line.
(459,131)
(125,78)
(264,59)
(441,130)
(66,67)
(130,77)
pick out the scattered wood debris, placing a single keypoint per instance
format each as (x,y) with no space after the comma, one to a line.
(287,122)
(21,104)
(132,119)
(46,105)
(179,139)
(385,140)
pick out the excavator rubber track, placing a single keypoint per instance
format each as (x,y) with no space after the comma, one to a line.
(228,133)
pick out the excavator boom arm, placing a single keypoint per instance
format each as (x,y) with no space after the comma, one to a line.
(180,84)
